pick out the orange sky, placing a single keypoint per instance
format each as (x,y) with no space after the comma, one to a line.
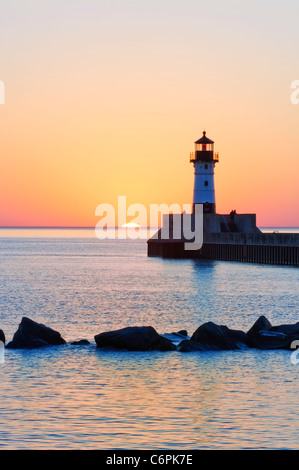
(106,98)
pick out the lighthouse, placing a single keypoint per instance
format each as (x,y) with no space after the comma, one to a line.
(204,160)
(225,237)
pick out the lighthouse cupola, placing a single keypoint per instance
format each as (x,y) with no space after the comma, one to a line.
(204,160)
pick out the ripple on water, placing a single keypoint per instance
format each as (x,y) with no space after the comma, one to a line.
(82,397)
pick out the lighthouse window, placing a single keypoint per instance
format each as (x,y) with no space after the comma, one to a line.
(206,183)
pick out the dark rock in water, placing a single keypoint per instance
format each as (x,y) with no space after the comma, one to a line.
(287,329)
(2,336)
(181,333)
(34,335)
(80,342)
(262,323)
(176,335)
(187,345)
(262,335)
(266,339)
(215,337)
(135,338)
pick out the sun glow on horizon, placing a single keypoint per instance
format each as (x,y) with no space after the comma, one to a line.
(131,225)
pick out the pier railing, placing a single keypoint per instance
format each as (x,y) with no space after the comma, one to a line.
(270,239)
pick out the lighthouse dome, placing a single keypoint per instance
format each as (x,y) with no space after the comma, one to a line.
(204,139)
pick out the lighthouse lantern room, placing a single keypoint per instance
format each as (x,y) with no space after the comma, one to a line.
(204,160)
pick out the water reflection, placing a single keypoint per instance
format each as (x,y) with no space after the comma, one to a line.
(82,397)
(119,399)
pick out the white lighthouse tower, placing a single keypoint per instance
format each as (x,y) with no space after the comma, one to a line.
(204,160)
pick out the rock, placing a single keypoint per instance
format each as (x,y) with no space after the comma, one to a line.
(135,338)
(287,329)
(262,335)
(176,337)
(34,335)
(80,342)
(2,336)
(187,345)
(262,323)
(181,333)
(237,335)
(265,339)
(210,336)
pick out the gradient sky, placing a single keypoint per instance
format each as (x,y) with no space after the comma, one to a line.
(106,97)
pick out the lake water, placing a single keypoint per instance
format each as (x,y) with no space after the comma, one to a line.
(81,397)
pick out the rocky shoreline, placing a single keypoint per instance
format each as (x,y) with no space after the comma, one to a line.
(208,337)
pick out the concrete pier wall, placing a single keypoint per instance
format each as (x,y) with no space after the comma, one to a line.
(227,237)
(265,248)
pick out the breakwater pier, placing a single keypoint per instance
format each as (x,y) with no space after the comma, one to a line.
(265,248)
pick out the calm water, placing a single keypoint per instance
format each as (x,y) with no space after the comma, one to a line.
(75,397)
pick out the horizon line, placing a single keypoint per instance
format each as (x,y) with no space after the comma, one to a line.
(60,226)
(115,227)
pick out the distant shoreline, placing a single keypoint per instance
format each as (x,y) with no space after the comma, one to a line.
(61,227)
(33,227)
